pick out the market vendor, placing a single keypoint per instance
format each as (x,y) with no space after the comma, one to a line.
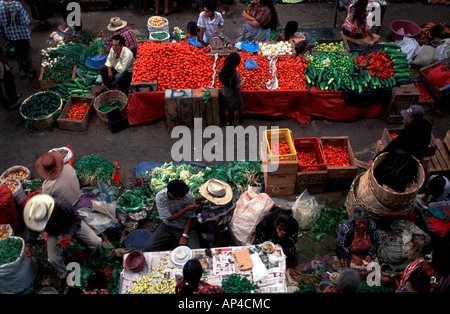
(280,228)
(191,282)
(57,218)
(415,137)
(60,179)
(356,24)
(120,27)
(118,67)
(176,207)
(357,242)
(210,21)
(214,215)
(260,17)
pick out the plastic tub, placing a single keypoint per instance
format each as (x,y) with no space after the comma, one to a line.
(96,61)
(135,261)
(410,29)
(310,144)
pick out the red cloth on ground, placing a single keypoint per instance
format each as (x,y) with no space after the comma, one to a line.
(145,107)
(438,75)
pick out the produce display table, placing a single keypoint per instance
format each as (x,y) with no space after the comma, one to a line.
(298,105)
(160,266)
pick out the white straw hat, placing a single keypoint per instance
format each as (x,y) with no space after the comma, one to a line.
(37,211)
(217,191)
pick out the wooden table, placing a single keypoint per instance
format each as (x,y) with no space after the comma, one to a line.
(159,266)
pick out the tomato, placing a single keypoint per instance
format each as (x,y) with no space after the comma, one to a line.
(336,156)
(280,148)
(77,111)
(290,72)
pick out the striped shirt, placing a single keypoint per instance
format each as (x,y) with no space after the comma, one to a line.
(14,21)
(262,14)
(167,206)
(131,41)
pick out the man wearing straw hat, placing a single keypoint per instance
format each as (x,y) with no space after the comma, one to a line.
(217,212)
(56,217)
(120,27)
(118,68)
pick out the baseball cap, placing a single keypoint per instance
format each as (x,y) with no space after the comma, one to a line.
(414,112)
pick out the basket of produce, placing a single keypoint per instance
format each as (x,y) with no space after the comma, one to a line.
(108,101)
(76,113)
(309,154)
(16,188)
(64,30)
(16,172)
(279,145)
(159,36)
(157,24)
(96,54)
(40,110)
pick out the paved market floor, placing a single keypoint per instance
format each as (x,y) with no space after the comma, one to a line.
(153,141)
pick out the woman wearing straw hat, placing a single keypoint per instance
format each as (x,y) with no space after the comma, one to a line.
(56,217)
(119,27)
(217,211)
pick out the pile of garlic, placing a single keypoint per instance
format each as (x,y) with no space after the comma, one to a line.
(278,48)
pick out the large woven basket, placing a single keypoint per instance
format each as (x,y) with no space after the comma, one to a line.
(112,95)
(43,123)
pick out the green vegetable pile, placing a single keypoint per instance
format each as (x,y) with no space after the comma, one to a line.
(109,105)
(159,35)
(329,221)
(236,283)
(133,198)
(56,74)
(41,105)
(239,174)
(10,249)
(90,168)
(98,48)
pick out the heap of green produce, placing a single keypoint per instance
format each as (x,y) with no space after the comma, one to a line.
(159,35)
(330,47)
(10,249)
(91,168)
(108,105)
(98,48)
(56,74)
(236,283)
(133,198)
(41,105)
(80,86)
(399,62)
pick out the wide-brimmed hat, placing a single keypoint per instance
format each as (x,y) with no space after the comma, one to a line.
(49,165)
(217,191)
(115,23)
(38,211)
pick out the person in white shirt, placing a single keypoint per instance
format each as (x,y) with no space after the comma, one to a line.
(210,22)
(118,68)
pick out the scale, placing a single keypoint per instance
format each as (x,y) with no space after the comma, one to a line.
(219,46)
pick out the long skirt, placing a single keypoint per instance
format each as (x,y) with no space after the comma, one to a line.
(253,34)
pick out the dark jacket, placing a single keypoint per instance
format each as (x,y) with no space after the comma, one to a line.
(346,233)
(64,220)
(413,139)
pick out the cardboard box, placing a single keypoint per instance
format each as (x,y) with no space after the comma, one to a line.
(283,190)
(280,179)
(314,181)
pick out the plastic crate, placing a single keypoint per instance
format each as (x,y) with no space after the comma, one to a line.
(283,135)
(310,144)
(96,62)
(342,172)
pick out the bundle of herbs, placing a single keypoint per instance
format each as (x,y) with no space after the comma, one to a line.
(91,168)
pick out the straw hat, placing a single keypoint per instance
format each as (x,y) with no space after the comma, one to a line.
(49,165)
(217,191)
(37,211)
(115,23)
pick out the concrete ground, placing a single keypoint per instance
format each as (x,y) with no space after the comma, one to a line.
(152,141)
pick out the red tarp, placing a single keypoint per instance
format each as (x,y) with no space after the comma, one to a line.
(298,105)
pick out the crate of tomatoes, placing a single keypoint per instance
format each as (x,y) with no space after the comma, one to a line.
(309,154)
(76,113)
(279,145)
(339,157)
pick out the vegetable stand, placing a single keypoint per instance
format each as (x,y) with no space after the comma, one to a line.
(161,270)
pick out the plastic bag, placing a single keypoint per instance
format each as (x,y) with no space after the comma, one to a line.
(442,52)
(251,64)
(100,217)
(259,270)
(424,57)
(249,47)
(251,207)
(410,46)
(306,210)
(194,42)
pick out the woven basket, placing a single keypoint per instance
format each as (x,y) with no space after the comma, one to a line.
(112,95)
(392,199)
(44,123)
(14,168)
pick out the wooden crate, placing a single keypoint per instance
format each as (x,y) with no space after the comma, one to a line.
(437,92)
(209,111)
(283,190)
(46,84)
(344,171)
(292,54)
(76,125)
(447,140)
(386,139)
(401,98)
(280,179)
(314,181)
(440,162)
